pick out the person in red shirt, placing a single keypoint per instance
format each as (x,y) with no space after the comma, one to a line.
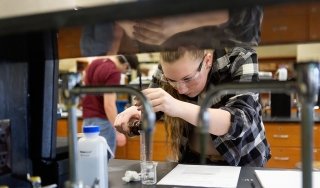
(101,109)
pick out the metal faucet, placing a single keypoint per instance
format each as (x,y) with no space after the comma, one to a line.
(306,86)
(72,90)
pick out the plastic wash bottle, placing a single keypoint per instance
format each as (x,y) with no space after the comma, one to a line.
(93,158)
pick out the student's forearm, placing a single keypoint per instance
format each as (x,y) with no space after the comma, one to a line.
(111,113)
(110,108)
(219,119)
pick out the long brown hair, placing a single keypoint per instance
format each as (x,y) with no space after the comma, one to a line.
(175,127)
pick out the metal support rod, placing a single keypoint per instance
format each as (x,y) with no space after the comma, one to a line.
(307,86)
(69,81)
(308,83)
(72,140)
(148,120)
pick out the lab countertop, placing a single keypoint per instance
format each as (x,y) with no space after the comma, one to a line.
(117,169)
(292,119)
(247,177)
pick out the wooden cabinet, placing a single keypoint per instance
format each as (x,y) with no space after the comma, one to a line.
(284,139)
(314,15)
(62,127)
(161,148)
(285,142)
(291,23)
(284,24)
(69,42)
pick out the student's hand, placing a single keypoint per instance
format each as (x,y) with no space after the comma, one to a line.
(123,118)
(121,139)
(161,101)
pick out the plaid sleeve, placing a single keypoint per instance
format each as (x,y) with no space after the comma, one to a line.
(244,108)
(245,143)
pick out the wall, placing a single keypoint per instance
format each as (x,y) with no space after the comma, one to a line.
(307,52)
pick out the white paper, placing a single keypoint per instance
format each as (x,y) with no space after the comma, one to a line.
(202,176)
(284,178)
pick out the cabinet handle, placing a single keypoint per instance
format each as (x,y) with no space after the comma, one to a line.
(281,158)
(280,136)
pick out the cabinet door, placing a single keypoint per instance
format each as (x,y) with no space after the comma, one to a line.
(316,134)
(133,148)
(283,135)
(62,127)
(161,148)
(288,134)
(314,19)
(284,157)
(69,42)
(285,143)
(285,24)
(121,152)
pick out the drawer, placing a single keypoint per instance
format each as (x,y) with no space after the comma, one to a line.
(284,157)
(287,157)
(288,134)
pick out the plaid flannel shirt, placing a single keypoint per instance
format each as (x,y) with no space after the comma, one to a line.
(245,144)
